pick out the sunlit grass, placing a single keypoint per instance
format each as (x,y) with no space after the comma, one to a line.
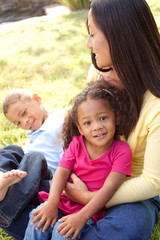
(47,56)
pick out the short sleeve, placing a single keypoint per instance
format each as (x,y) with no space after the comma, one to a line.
(122,158)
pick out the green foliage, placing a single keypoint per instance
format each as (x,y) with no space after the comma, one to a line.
(75,4)
(4,236)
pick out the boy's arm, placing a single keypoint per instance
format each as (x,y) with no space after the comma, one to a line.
(74,223)
(48,213)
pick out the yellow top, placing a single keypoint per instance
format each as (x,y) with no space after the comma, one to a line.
(144,142)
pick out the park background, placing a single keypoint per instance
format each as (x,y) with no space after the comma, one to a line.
(47,55)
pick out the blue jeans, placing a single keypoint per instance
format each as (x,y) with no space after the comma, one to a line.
(32,234)
(122,222)
(18,227)
(131,221)
(20,194)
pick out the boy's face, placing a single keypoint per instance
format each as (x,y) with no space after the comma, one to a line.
(27,114)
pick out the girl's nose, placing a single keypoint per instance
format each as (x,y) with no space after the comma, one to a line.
(97,125)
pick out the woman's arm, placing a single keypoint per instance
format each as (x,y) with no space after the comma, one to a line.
(72,224)
(77,191)
(112,183)
(147,184)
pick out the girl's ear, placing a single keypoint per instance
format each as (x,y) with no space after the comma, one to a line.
(79,129)
(37,98)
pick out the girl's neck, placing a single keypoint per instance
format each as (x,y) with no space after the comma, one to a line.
(95,152)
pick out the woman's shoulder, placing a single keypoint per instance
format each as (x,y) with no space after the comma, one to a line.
(151,103)
(149,97)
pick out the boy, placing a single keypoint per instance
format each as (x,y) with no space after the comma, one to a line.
(25,109)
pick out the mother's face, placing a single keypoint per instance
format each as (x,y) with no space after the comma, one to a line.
(98,44)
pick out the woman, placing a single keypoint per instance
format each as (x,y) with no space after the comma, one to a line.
(125,45)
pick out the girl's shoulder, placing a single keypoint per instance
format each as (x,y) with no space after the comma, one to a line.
(120,151)
(77,139)
(120,146)
(120,143)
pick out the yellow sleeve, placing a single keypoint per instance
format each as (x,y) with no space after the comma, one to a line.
(147,184)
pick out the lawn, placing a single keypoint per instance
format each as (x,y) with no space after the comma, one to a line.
(47,56)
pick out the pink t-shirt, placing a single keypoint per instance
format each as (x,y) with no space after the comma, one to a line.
(93,172)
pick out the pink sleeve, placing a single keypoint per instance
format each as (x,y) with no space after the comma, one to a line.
(68,157)
(122,159)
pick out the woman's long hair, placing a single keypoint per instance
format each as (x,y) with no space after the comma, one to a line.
(134,43)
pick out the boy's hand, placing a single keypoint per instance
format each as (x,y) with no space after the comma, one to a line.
(71,224)
(47,215)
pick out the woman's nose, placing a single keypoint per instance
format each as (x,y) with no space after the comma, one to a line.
(89,43)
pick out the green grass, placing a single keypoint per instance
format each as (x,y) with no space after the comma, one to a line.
(47,56)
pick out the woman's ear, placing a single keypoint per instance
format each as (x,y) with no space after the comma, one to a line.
(37,98)
(79,129)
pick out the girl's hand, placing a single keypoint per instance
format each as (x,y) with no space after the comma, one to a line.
(71,224)
(47,215)
(76,191)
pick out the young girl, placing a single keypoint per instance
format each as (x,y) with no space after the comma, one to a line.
(94,153)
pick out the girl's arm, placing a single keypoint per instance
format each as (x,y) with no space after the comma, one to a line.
(48,213)
(74,223)
(144,186)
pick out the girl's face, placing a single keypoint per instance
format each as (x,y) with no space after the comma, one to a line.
(98,44)
(96,121)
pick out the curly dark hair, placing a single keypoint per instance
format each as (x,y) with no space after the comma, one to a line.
(116,98)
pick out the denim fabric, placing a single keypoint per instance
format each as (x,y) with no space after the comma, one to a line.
(58,236)
(20,194)
(32,234)
(18,227)
(131,221)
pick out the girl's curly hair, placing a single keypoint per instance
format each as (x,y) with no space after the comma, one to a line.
(117,99)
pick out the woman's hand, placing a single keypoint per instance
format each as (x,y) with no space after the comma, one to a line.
(77,191)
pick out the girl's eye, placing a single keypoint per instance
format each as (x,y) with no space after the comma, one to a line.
(18,123)
(87,123)
(103,118)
